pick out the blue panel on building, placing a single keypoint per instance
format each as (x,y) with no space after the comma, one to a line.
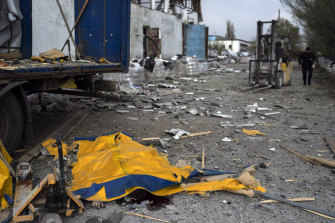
(195,40)
(212,38)
(103,30)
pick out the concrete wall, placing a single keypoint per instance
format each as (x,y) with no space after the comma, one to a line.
(170,26)
(49,30)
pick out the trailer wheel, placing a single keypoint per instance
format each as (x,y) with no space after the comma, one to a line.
(279,80)
(11,122)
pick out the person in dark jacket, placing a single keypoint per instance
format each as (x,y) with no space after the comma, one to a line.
(306,61)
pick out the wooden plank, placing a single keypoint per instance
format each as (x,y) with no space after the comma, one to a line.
(312,159)
(290,199)
(196,134)
(145,216)
(203,158)
(331,144)
(20,206)
(151,139)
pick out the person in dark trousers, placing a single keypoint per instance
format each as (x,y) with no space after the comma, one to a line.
(306,61)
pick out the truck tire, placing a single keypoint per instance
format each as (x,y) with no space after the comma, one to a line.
(279,80)
(11,122)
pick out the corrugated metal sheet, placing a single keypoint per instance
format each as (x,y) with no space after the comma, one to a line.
(195,40)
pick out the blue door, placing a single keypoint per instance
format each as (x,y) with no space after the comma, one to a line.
(195,40)
(103,30)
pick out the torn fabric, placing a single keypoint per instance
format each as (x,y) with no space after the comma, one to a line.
(10,26)
(51,147)
(6,185)
(112,166)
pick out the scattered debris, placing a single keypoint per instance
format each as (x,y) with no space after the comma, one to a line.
(320,212)
(272,113)
(308,132)
(219,114)
(249,124)
(264,109)
(203,158)
(251,108)
(97,204)
(262,165)
(132,118)
(193,111)
(162,104)
(200,99)
(164,143)
(312,159)
(122,111)
(299,127)
(53,54)
(290,199)
(145,216)
(162,85)
(331,144)
(226,202)
(253,132)
(177,133)
(226,139)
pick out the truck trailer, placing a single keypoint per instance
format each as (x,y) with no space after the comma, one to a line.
(101,45)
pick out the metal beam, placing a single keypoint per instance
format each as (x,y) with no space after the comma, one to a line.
(153,4)
(166,5)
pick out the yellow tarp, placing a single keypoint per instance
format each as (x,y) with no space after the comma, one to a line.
(112,166)
(6,185)
(253,132)
(51,147)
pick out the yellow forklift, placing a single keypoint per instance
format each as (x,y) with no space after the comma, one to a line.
(272,66)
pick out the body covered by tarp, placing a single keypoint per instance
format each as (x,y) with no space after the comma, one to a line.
(112,166)
(6,185)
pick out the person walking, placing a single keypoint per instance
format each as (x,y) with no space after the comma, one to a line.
(306,61)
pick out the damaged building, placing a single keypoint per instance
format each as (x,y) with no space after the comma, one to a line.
(168,27)
(224,43)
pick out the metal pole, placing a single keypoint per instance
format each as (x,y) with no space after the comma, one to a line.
(75,24)
(68,28)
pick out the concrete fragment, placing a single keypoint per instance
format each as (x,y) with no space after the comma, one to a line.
(226,139)
(122,111)
(132,118)
(162,104)
(193,111)
(177,133)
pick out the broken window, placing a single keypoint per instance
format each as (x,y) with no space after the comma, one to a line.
(151,41)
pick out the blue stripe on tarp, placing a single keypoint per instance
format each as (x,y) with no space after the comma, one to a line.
(215,172)
(117,187)
(93,138)
(9,200)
